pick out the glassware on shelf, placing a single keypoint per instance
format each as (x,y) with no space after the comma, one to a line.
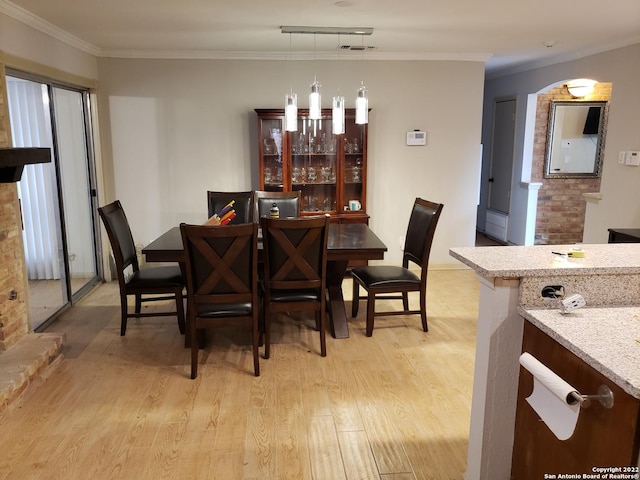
(276,134)
(355,146)
(357,171)
(331,146)
(267,175)
(325,173)
(348,147)
(268,146)
(311,175)
(279,174)
(312,204)
(303,175)
(295,175)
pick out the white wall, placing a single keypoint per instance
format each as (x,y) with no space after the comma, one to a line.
(18,39)
(173,129)
(620,204)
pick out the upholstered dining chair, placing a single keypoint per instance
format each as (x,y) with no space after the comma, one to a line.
(295,270)
(383,279)
(163,282)
(288,203)
(243,205)
(222,274)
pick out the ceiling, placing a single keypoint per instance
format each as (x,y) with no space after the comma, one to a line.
(509,35)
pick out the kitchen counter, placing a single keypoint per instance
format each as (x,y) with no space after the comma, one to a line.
(540,261)
(608,339)
(512,279)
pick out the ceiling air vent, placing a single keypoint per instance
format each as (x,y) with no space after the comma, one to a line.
(357,48)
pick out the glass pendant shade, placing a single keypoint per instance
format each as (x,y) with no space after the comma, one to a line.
(337,116)
(315,110)
(291,112)
(362,106)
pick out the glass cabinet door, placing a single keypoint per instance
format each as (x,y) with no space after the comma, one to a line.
(314,164)
(354,146)
(271,152)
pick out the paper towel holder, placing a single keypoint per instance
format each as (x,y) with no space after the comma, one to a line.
(604,396)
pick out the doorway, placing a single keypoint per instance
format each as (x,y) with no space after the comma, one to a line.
(57,199)
(501,168)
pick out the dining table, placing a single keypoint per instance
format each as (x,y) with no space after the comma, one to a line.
(347,242)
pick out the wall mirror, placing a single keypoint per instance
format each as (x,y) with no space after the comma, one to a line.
(575,139)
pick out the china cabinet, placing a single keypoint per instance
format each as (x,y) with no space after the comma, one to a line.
(330,170)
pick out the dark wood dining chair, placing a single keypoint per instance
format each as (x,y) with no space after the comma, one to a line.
(243,205)
(289,203)
(222,282)
(384,279)
(164,282)
(295,270)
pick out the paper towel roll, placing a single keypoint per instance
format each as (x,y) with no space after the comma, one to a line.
(550,398)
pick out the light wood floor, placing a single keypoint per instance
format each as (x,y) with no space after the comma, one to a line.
(46,297)
(395,406)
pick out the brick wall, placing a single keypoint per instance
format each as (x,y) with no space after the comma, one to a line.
(561,206)
(13,313)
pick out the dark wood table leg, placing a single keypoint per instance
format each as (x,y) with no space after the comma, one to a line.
(337,311)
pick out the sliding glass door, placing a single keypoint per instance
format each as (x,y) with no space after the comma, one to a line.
(57,198)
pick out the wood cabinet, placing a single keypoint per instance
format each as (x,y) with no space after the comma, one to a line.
(330,170)
(603,437)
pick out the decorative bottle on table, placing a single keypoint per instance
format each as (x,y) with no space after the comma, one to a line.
(275,211)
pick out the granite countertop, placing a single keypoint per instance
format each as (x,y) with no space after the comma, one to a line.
(539,261)
(608,339)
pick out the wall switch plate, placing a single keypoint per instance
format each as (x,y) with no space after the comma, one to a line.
(621,157)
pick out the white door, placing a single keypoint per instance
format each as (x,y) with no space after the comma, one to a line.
(502,155)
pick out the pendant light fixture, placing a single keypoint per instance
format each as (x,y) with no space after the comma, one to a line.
(291,112)
(362,102)
(337,113)
(338,104)
(315,102)
(290,105)
(362,105)
(315,109)
(337,116)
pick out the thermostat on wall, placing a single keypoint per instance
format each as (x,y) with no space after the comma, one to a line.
(417,137)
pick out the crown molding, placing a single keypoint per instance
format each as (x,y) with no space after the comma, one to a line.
(28,18)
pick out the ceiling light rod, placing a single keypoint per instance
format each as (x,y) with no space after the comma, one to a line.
(328,30)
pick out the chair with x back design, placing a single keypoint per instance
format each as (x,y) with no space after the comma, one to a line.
(222,275)
(295,270)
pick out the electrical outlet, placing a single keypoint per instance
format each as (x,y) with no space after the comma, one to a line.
(572,303)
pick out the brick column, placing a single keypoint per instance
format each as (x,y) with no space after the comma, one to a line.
(13,313)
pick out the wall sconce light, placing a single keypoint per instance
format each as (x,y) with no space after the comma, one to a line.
(581,87)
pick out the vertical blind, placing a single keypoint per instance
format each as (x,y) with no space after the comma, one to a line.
(31,127)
